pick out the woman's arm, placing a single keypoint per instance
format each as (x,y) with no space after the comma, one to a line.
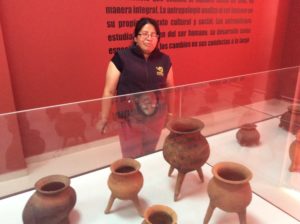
(171,93)
(170,78)
(111,82)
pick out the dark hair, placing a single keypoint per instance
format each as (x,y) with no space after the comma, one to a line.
(142,22)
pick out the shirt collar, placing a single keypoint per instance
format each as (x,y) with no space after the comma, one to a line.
(138,51)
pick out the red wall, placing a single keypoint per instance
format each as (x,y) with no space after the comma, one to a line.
(6,93)
(54,52)
(291,50)
(291,53)
(53,49)
(57,50)
(11,150)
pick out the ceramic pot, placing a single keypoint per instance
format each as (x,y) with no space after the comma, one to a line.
(125,182)
(52,201)
(185,149)
(294,152)
(248,135)
(290,120)
(160,214)
(229,189)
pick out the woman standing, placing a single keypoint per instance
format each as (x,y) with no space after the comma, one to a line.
(141,68)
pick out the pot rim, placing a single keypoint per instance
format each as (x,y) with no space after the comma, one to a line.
(52,178)
(232,165)
(294,108)
(160,208)
(125,162)
(198,124)
(249,126)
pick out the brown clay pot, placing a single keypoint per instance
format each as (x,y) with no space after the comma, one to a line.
(185,148)
(51,203)
(125,182)
(248,135)
(160,214)
(294,152)
(229,189)
(290,120)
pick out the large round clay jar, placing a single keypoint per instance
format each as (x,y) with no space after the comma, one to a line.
(52,201)
(248,135)
(294,153)
(185,148)
(229,189)
(290,120)
(160,214)
(125,180)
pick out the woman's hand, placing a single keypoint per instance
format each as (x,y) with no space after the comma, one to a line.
(102,126)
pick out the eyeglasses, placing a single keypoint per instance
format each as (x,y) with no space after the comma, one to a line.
(147,35)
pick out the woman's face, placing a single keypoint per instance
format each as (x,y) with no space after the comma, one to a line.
(147,39)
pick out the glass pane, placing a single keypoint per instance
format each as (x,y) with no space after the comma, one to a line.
(67,139)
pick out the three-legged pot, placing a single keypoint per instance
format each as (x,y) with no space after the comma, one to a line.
(125,182)
(185,149)
(229,190)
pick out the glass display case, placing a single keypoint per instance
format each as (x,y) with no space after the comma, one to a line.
(65,139)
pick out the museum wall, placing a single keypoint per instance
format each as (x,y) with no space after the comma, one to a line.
(291,50)
(11,150)
(291,53)
(58,50)
(6,93)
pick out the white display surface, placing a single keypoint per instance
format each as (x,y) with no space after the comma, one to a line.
(269,162)
(272,183)
(93,194)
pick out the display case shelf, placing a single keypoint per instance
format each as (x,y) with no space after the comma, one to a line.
(93,195)
(63,139)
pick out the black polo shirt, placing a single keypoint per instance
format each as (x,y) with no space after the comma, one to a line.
(139,74)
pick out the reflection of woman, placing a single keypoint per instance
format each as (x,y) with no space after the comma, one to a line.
(141,67)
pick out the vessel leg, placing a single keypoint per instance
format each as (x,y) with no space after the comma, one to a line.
(179,181)
(136,203)
(242,217)
(110,203)
(200,173)
(170,171)
(209,213)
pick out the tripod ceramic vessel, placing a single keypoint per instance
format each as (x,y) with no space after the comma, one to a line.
(125,182)
(51,203)
(185,149)
(290,120)
(229,190)
(294,152)
(160,214)
(248,135)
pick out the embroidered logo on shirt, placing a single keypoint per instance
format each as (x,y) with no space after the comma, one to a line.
(159,71)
